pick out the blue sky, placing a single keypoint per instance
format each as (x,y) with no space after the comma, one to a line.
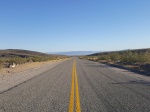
(74,25)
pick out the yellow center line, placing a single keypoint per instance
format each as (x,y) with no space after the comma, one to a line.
(78,109)
(71,104)
(74,86)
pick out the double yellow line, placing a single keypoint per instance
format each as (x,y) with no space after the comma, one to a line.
(74,94)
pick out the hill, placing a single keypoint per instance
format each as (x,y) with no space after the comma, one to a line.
(21,53)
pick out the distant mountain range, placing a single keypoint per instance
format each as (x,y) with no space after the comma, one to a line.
(75,53)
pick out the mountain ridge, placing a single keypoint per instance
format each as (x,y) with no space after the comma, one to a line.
(74,53)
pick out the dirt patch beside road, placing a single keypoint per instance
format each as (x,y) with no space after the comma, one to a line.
(141,69)
(9,72)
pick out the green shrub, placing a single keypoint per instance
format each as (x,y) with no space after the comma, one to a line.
(104,57)
(132,58)
(115,56)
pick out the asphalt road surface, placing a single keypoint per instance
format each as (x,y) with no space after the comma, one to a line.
(79,85)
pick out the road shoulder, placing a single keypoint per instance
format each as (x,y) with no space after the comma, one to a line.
(20,77)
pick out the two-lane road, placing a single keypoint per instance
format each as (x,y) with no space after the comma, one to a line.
(79,85)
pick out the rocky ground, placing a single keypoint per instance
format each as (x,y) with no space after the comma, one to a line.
(10,72)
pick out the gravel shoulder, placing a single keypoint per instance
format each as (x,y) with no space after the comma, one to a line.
(10,78)
(126,72)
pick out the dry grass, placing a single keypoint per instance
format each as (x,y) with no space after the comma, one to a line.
(1,66)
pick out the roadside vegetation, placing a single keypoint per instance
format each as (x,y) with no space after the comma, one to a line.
(137,59)
(19,60)
(13,57)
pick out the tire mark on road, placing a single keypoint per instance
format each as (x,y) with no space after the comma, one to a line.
(142,95)
(109,107)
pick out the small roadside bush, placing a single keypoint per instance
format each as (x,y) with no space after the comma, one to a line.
(115,56)
(104,57)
